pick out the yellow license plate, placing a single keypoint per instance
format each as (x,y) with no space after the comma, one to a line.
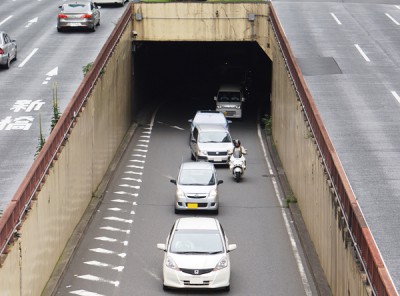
(192,205)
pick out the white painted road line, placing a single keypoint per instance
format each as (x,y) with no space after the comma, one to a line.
(396,96)
(85,293)
(362,52)
(392,19)
(335,18)
(28,57)
(6,19)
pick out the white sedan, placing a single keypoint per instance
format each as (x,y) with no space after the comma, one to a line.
(197,255)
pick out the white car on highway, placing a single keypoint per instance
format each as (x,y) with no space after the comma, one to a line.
(197,255)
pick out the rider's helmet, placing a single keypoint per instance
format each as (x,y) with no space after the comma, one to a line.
(236,143)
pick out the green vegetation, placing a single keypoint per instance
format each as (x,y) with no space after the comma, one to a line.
(289,199)
(56,111)
(266,120)
(41,139)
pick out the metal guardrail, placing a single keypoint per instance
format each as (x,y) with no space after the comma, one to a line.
(362,239)
(19,205)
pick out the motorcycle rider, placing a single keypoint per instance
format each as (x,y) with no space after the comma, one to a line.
(238,146)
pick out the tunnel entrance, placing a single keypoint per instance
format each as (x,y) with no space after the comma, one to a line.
(194,71)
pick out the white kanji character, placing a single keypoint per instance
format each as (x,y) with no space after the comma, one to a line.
(36,105)
(20,105)
(4,122)
(21,123)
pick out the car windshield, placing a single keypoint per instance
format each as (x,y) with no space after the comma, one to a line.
(229,96)
(75,8)
(196,242)
(196,177)
(214,137)
(209,119)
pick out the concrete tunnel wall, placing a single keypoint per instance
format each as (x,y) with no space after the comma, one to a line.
(103,123)
(73,178)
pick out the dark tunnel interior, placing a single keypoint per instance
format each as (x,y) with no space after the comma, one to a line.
(182,70)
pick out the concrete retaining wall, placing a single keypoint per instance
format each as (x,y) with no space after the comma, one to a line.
(73,178)
(305,173)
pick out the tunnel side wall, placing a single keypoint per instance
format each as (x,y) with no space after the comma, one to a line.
(305,173)
(73,178)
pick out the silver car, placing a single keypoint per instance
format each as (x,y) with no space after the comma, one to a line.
(210,142)
(78,14)
(197,187)
(8,50)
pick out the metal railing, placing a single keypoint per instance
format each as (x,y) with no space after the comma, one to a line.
(364,245)
(19,205)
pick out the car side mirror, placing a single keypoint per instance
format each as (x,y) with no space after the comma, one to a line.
(229,121)
(220,182)
(215,98)
(162,247)
(60,6)
(173,181)
(243,99)
(190,120)
(232,247)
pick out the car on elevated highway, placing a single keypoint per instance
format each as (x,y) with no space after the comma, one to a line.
(8,50)
(78,14)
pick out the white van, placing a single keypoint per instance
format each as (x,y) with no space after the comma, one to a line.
(229,100)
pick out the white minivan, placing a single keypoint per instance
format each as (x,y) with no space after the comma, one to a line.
(229,100)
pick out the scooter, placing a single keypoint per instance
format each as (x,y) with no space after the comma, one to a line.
(237,164)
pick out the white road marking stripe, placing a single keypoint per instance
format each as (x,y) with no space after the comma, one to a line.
(97,279)
(129,186)
(135,166)
(362,52)
(132,179)
(85,293)
(127,231)
(139,155)
(147,141)
(108,252)
(133,173)
(295,250)
(335,18)
(106,239)
(397,6)
(142,136)
(392,19)
(137,160)
(6,19)
(142,145)
(118,219)
(101,264)
(115,209)
(396,96)
(123,192)
(149,132)
(28,57)
(140,150)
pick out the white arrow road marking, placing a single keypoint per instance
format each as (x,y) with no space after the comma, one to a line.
(137,160)
(118,219)
(85,293)
(101,264)
(50,74)
(115,229)
(173,126)
(132,179)
(135,166)
(35,20)
(123,192)
(6,19)
(97,279)
(133,173)
(105,251)
(130,186)
(28,57)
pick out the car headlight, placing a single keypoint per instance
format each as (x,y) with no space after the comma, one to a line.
(180,193)
(222,263)
(213,193)
(169,262)
(202,152)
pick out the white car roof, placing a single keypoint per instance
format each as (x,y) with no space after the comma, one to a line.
(197,165)
(197,223)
